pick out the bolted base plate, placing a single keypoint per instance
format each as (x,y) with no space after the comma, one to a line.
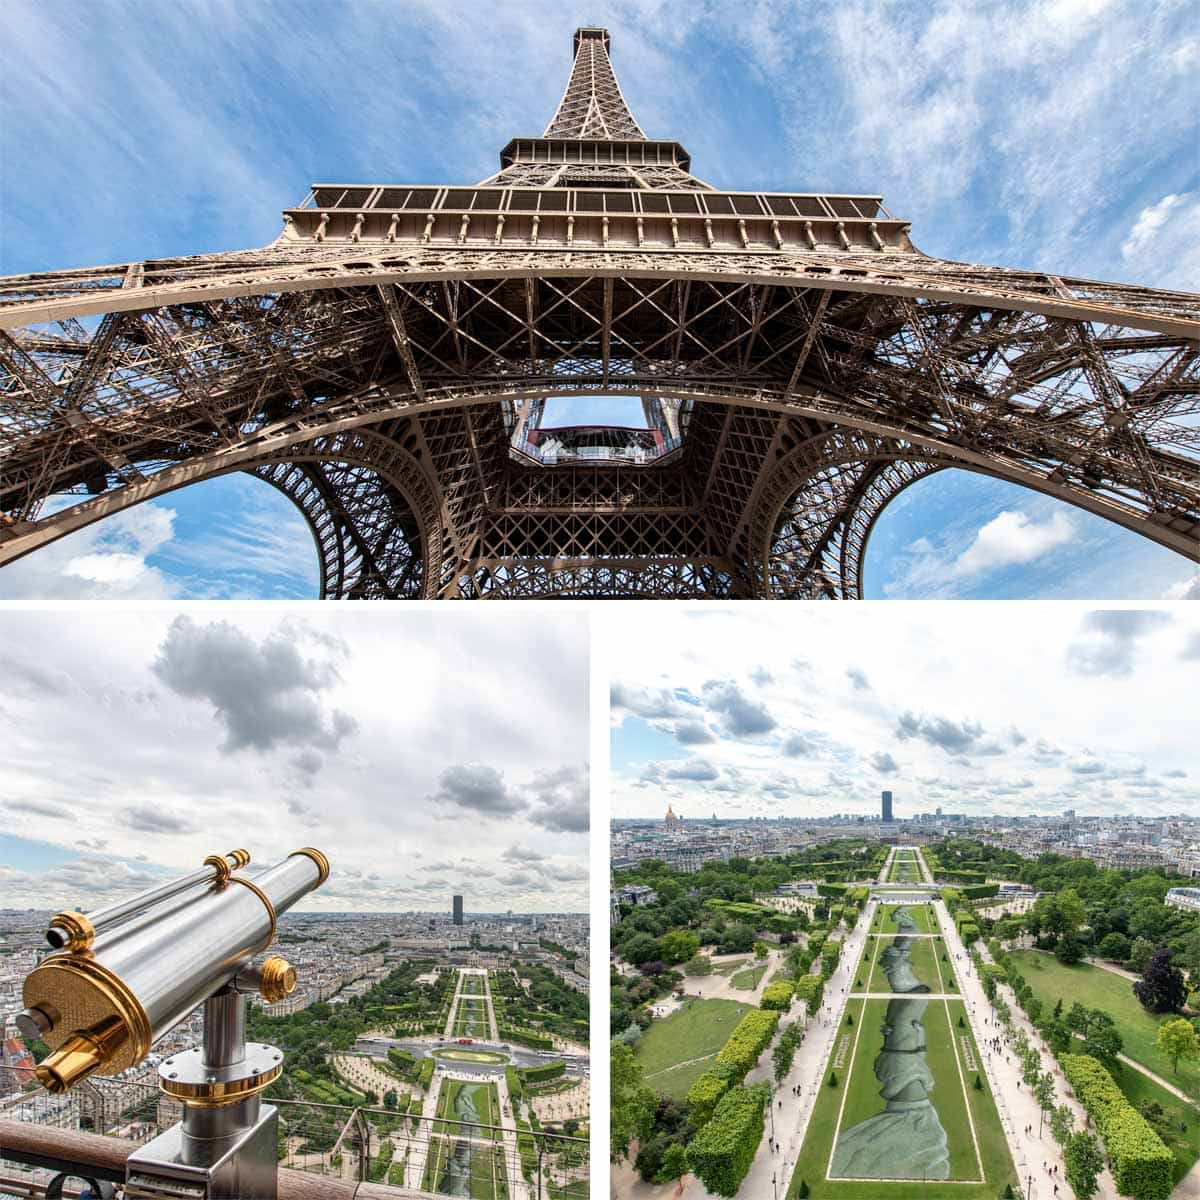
(184,1076)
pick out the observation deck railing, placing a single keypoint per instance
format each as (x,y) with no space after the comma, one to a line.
(326,1151)
(596,443)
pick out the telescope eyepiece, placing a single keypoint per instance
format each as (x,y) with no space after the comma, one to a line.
(81,1055)
(70,931)
(34,1023)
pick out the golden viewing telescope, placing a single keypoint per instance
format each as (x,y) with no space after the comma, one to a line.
(121,977)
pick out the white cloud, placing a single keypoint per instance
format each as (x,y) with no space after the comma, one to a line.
(1164,242)
(1185,589)
(944,570)
(927,728)
(105,561)
(1150,221)
(1010,538)
(120,731)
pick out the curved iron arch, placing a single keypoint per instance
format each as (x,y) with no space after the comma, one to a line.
(284,437)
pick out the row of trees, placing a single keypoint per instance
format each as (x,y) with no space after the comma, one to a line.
(1085,904)
(1086,1043)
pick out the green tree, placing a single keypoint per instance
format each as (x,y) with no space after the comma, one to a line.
(1161,988)
(640,948)
(1189,955)
(1114,946)
(1062,1124)
(698,964)
(761,950)
(674,1163)
(1069,949)
(631,1111)
(1043,1093)
(1084,1162)
(1058,1037)
(1102,1040)
(737,939)
(1140,953)
(1178,1039)
(678,946)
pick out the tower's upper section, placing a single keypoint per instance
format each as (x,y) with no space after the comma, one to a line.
(594,181)
(592,140)
(593,106)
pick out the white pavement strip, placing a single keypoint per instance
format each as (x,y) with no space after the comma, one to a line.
(458,983)
(954,1040)
(518,1189)
(1014,1102)
(770,1172)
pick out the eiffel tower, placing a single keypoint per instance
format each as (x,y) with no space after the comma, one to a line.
(386,361)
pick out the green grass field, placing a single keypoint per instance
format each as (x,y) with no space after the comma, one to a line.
(748,979)
(728,968)
(904,869)
(695,1032)
(470,1163)
(925,955)
(1097,988)
(885,921)
(471,1018)
(576,1190)
(862,1101)
(457,1096)
(475,1056)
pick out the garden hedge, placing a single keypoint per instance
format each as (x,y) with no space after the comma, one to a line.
(524,1037)
(810,989)
(404,1062)
(703,1096)
(539,1074)
(748,1040)
(981,891)
(425,1074)
(778,996)
(721,1153)
(1142,1166)
(945,876)
(830,954)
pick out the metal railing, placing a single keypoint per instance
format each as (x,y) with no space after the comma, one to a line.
(595,443)
(435,1156)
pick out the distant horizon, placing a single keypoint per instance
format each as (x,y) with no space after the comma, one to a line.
(900,820)
(380,912)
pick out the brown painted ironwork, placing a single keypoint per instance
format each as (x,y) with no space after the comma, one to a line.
(372,362)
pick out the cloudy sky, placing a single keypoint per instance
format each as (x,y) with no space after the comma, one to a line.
(1049,134)
(424,753)
(983,708)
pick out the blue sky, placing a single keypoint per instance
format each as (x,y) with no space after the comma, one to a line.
(1056,135)
(776,713)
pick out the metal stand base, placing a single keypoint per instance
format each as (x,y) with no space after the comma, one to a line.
(176,1166)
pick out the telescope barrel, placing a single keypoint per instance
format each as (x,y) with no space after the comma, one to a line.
(74,931)
(103,1007)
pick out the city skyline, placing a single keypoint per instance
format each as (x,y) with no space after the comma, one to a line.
(387,743)
(819,713)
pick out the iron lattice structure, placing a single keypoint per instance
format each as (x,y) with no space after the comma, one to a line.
(374,362)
